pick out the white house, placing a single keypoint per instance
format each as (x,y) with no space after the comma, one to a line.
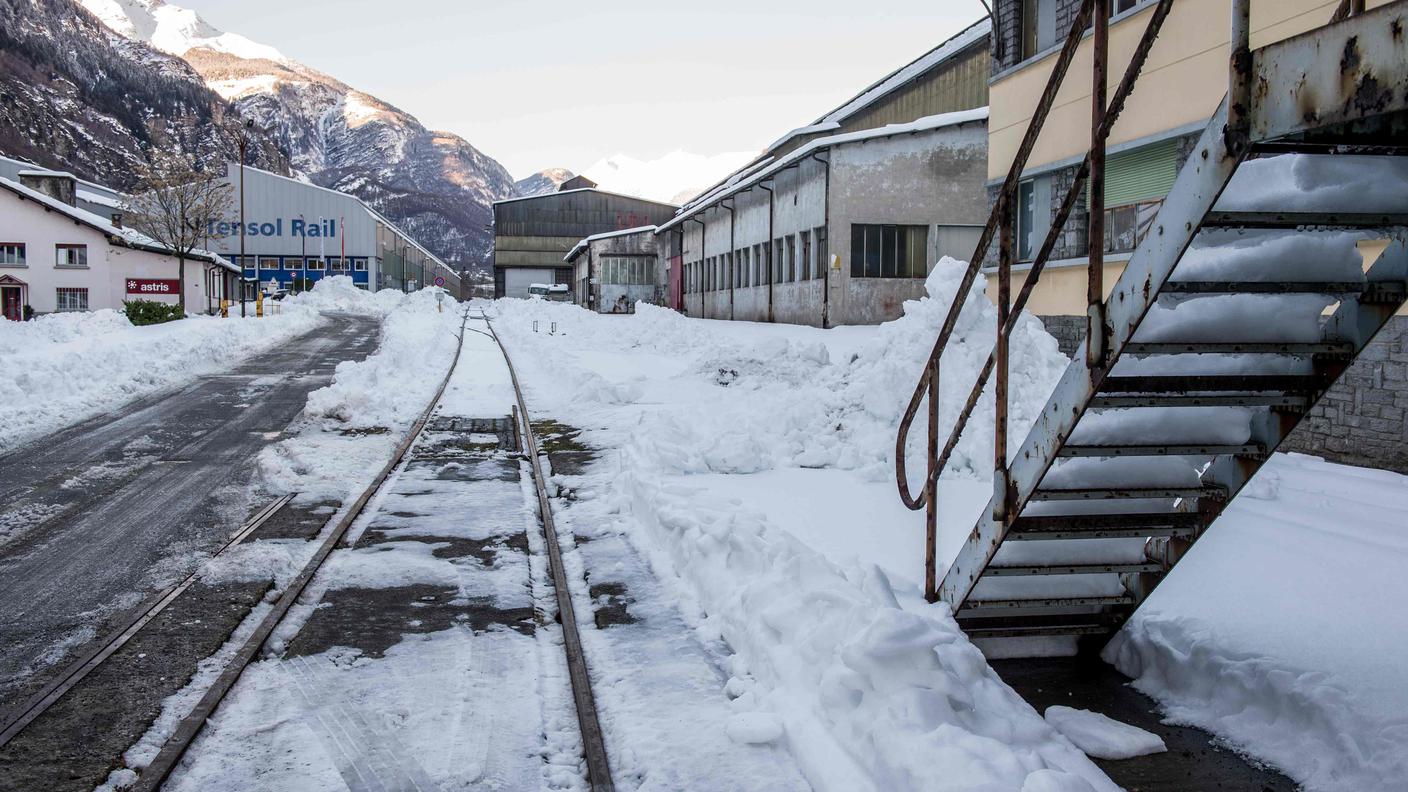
(55,256)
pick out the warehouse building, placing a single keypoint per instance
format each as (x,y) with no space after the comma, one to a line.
(532,235)
(613,271)
(299,231)
(840,221)
(57,256)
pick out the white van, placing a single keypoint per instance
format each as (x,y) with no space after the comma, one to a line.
(557,292)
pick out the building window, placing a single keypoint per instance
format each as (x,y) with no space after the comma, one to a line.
(730,275)
(75,256)
(72,299)
(808,269)
(1038,26)
(360,265)
(1033,216)
(293,263)
(777,261)
(1126,226)
(316,265)
(889,251)
(626,270)
(12,254)
(268,263)
(823,256)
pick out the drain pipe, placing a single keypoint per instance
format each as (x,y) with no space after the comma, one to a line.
(699,270)
(826,224)
(771,198)
(729,264)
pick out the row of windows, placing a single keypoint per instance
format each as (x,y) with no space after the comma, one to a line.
(330,263)
(626,270)
(797,257)
(14,254)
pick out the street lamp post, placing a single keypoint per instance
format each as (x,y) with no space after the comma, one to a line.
(244,141)
(303,259)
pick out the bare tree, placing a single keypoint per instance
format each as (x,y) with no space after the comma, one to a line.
(176,204)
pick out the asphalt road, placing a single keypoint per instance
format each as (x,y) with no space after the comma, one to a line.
(102,514)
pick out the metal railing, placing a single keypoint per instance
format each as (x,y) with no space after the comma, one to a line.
(1000,224)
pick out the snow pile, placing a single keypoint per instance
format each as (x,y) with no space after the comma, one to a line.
(338,294)
(63,368)
(781,402)
(1309,182)
(1103,737)
(349,427)
(868,687)
(1320,690)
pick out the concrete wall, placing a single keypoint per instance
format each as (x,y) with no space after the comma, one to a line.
(932,178)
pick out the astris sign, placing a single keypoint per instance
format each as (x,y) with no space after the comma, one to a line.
(153,285)
(295,226)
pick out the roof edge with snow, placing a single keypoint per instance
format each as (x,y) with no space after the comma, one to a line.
(583,243)
(580,190)
(926,124)
(122,237)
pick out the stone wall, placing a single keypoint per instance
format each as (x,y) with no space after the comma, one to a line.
(1361,420)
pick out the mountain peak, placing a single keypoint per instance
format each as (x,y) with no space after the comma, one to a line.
(174,30)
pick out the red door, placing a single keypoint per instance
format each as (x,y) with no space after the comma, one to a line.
(12,303)
(676,283)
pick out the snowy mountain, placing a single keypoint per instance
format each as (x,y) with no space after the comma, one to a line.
(75,95)
(542,182)
(674,178)
(434,184)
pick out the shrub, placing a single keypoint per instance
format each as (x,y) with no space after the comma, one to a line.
(150,312)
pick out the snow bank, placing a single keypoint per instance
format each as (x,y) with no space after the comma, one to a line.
(64,368)
(1103,737)
(1320,690)
(349,427)
(869,687)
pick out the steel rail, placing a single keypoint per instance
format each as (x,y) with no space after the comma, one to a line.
(160,768)
(593,743)
(41,701)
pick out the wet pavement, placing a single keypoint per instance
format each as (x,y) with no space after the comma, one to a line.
(1193,762)
(97,517)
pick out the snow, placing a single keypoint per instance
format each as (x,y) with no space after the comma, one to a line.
(240,87)
(1301,661)
(1317,182)
(668,178)
(67,367)
(751,465)
(173,29)
(1103,737)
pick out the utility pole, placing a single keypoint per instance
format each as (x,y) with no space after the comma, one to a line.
(244,141)
(303,238)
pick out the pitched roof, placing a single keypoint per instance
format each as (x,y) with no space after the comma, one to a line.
(126,237)
(584,242)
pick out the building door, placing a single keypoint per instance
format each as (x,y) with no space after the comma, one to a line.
(12,298)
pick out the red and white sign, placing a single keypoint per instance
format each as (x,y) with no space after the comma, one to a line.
(153,285)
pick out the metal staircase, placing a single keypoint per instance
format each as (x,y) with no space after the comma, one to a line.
(1160,421)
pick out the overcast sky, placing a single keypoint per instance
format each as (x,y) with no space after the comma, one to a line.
(563,84)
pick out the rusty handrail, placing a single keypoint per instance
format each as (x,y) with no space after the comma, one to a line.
(1014,173)
(1116,106)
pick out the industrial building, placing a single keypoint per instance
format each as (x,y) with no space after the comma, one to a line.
(295,230)
(1362,420)
(613,271)
(57,256)
(840,221)
(532,235)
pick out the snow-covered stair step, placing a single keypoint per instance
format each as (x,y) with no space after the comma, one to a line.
(1112,493)
(1288,401)
(1324,348)
(1291,220)
(975,606)
(1198,450)
(1207,383)
(1035,570)
(1038,627)
(1370,292)
(1185,525)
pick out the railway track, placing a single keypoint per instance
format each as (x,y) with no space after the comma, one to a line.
(190,727)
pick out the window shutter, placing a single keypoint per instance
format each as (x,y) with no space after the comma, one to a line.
(1144,174)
